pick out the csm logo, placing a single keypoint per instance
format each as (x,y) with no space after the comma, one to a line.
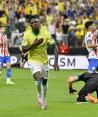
(64,62)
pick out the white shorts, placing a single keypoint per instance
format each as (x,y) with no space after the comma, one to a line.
(43,68)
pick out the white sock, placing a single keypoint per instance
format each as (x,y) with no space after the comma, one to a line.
(8,79)
(44,92)
(38,84)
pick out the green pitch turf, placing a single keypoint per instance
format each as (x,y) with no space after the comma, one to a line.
(20,100)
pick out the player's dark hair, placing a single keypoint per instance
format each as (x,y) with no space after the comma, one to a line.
(87,24)
(33,17)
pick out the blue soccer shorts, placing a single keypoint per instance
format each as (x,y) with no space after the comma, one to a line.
(93,65)
(5,60)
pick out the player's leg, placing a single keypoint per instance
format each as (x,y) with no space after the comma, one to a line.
(8,73)
(89,87)
(94,87)
(81,95)
(44,85)
(37,74)
(41,82)
(44,88)
(38,79)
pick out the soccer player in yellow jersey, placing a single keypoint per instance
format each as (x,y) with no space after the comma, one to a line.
(35,42)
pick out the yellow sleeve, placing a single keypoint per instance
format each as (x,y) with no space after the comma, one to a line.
(25,41)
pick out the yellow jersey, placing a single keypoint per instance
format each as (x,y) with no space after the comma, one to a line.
(38,53)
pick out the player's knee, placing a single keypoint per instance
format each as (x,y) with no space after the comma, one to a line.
(8,73)
(37,76)
(44,82)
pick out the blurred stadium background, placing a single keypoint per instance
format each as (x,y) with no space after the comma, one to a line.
(65,19)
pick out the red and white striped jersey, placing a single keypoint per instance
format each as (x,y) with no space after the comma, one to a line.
(4,45)
(91,38)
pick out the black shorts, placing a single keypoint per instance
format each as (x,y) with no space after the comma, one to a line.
(90,86)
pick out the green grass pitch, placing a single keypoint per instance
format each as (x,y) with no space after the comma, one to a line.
(20,100)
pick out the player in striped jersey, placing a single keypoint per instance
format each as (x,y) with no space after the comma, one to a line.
(4,54)
(92,46)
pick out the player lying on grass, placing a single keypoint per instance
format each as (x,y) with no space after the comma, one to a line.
(90,86)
